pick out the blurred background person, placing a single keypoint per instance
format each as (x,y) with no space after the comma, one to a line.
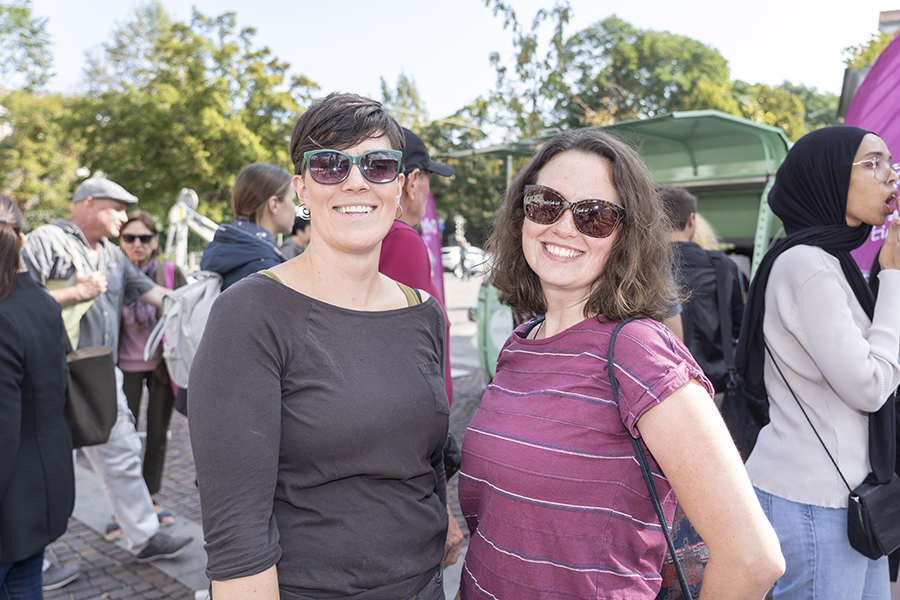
(695,272)
(296,244)
(139,240)
(37,477)
(704,234)
(263,204)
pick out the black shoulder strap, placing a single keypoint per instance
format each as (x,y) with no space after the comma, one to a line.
(645,466)
(723,296)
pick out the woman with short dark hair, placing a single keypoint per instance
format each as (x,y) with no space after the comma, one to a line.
(37,479)
(554,497)
(318,407)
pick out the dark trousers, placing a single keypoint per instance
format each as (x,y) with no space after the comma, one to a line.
(22,580)
(159,414)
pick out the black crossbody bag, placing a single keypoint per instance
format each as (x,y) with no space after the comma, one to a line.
(873,514)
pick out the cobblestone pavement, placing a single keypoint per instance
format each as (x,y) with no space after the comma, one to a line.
(110,571)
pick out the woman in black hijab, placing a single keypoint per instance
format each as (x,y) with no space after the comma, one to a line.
(809,306)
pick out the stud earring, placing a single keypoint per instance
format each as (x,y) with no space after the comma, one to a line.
(302,211)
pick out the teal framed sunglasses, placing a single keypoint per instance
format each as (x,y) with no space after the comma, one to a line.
(330,167)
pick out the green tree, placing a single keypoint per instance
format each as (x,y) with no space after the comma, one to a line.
(865,54)
(25,58)
(616,72)
(522,102)
(820,108)
(174,105)
(39,156)
(477,186)
(405,103)
(771,106)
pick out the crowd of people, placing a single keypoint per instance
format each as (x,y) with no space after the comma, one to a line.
(320,393)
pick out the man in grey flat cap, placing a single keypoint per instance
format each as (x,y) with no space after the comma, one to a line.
(81,268)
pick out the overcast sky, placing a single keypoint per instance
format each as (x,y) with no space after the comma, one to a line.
(348,45)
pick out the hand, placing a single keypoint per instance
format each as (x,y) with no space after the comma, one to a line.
(453,545)
(889,258)
(90,285)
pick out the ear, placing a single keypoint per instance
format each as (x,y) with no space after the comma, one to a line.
(21,241)
(401,181)
(412,183)
(690,223)
(300,188)
(273,203)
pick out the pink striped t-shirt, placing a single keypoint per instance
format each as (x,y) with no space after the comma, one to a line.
(554,498)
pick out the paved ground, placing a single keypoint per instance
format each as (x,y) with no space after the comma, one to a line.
(110,571)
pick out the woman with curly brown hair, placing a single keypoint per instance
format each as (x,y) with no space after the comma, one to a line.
(554,498)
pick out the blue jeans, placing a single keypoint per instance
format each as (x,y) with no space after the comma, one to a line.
(821,564)
(22,580)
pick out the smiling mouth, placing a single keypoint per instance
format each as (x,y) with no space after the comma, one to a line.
(561,252)
(354,210)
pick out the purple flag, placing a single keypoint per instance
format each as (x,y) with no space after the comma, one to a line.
(431,234)
(875,107)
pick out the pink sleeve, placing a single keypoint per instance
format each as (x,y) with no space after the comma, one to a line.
(651,364)
(404,258)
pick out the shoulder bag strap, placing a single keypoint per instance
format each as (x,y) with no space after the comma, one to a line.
(808,420)
(69,245)
(645,466)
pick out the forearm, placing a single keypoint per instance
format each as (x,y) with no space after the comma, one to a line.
(720,582)
(691,444)
(155,296)
(68,296)
(262,586)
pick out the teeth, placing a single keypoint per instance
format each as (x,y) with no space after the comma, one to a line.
(561,252)
(355,210)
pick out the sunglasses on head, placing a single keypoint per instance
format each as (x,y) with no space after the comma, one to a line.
(329,167)
(145,239)
(596,218)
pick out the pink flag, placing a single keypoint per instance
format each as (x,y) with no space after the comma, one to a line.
(875,107)
(431,234)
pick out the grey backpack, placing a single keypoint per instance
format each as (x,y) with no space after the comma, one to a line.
(184,315)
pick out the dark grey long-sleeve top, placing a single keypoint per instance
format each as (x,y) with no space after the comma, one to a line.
(317,433)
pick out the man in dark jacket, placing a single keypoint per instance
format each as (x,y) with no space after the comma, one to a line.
(696,273)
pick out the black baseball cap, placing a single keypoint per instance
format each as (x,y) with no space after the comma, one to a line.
(416,156)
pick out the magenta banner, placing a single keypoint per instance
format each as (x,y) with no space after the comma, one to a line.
(431,233)
(876,108)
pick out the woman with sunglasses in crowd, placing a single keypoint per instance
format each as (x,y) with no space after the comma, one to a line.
(550,487)
(37,477)
(139,240)
(824,351)
(318,408)
(263,204)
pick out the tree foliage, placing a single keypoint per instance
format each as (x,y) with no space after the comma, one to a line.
(820,109)
(404,102)
(864,55)
(773,106)
(174,105)
(617,72)
(525,94)
(39,158)
(25,58)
